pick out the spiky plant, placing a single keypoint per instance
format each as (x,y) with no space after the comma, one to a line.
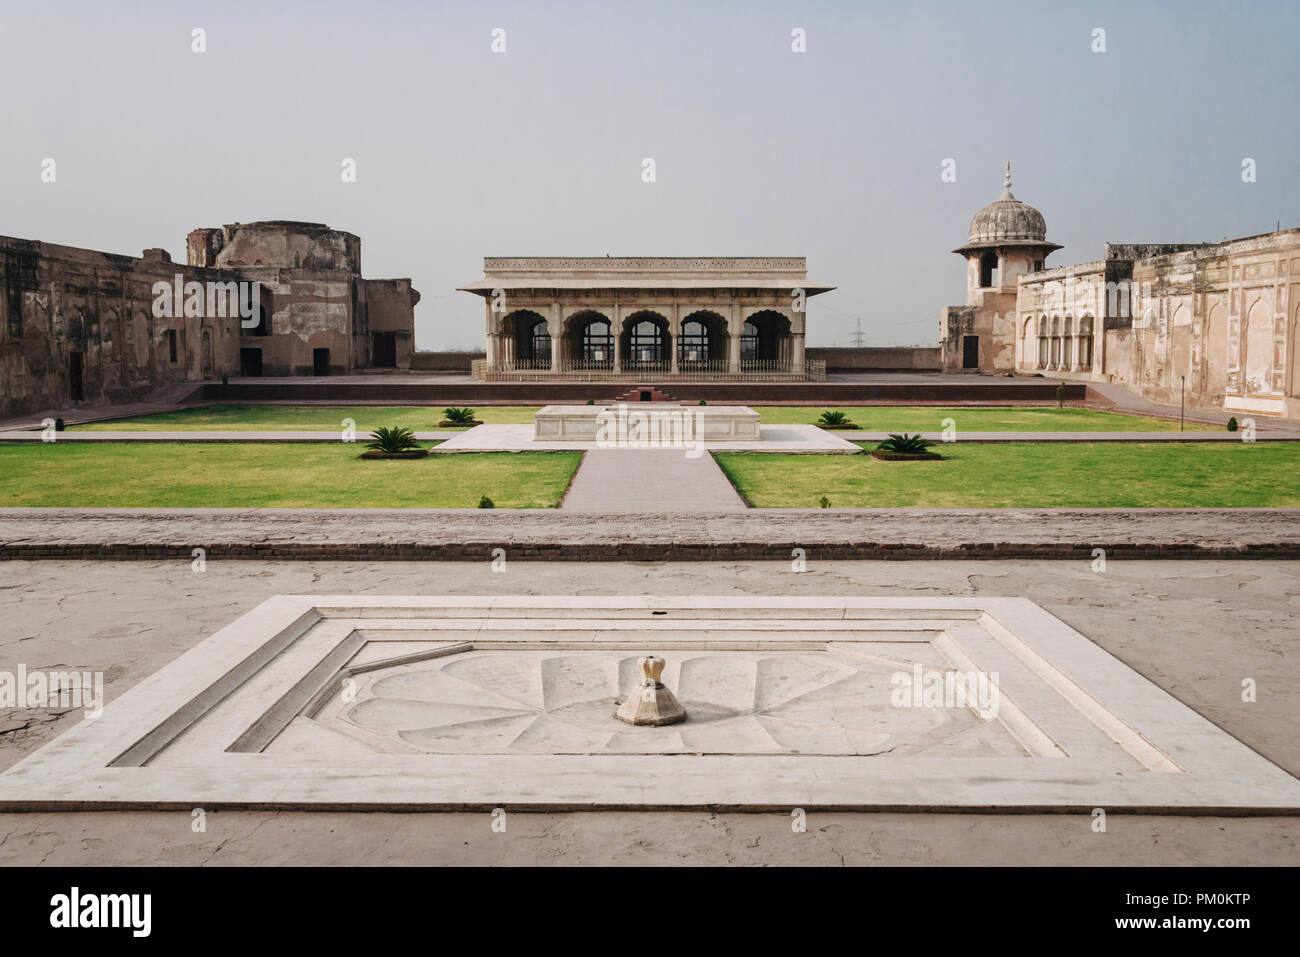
(392,440)
(833,418)
(459,416)
(905,444)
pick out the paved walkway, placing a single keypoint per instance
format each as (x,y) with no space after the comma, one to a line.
(650,480)
(1117,398)
(575,535)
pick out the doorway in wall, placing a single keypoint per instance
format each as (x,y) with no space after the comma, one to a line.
(320,362)
(250,362)
(383,350)
(76,377)
(970,352)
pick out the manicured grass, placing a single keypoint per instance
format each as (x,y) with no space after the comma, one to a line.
(915,418)
(1033,475)
(174,475)
(305,418)
(324,418)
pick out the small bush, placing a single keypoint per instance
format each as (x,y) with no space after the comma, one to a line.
(1232,424)
(825,502)
(591,402)
(702,402)
(58,424)
(458,416)
(486,502)
(392,440)
(835,420)
(1060,395)
(905,444)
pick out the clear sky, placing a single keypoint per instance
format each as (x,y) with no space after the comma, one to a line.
(834,154)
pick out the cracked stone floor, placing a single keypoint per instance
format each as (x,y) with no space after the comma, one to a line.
(1197,629)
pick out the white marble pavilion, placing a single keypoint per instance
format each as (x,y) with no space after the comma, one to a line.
(633,318)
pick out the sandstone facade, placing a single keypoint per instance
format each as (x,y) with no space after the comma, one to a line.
(1212,324)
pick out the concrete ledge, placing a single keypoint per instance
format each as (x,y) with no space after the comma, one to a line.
(550,535)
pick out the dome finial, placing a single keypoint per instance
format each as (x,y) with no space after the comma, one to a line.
(1006,183)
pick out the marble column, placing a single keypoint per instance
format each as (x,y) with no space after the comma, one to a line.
(735,326)
(674,332)
(616,331)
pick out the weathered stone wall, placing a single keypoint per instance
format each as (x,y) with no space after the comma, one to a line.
(62,307)
(992,320)
(989,312)
(66,312)
(309,310)
(292,245)
(450,361)
(857,359)
(389,310)
(1212,324)
(1060,315)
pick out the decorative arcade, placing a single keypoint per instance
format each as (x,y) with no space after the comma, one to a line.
(634,318)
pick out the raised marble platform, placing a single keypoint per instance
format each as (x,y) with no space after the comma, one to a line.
(455,702)
(771,438)
(645,424)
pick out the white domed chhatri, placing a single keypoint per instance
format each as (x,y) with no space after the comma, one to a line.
(1008,241)
(1007,222)
(1007,219)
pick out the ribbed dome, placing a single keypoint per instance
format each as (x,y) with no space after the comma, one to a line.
(1007,219)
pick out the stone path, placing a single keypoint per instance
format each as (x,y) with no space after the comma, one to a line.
(576,535)
(1117,398)
(650,480)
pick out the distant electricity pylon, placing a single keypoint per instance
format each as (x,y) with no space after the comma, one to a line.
(859,337)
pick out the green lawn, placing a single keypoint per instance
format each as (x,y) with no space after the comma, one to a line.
(1035,475)
(915,418)
(305,418)
(173,475)
(425,418)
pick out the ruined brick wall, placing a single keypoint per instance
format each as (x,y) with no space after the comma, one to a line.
(316,297)
(992,320)
(67,312)
(390,310)
(855,359)
(448,361)
(309,310)
(294,245)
